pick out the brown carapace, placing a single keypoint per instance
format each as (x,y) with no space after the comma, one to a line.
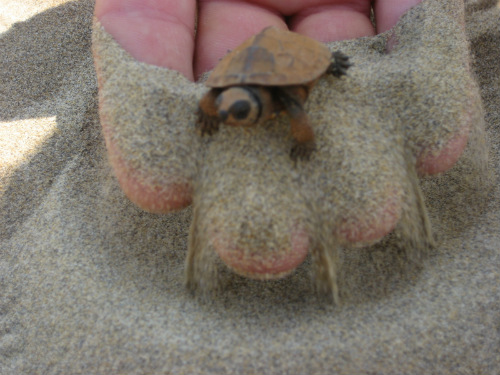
(270,73)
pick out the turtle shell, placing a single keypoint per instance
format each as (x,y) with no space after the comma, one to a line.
(273,57)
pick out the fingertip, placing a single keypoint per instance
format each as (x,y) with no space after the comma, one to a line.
(152,192)
(171,193)
(368,228)
(260,263)
(431,163)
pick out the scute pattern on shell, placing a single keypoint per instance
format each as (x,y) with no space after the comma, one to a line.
(274,57)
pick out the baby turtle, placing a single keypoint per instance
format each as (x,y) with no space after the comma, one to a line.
(270,73)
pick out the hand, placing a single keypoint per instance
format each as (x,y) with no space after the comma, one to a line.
(162,33)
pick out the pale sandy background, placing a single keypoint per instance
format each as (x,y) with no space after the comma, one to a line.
(90,284)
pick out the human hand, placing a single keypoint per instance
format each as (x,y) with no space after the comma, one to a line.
(143,28)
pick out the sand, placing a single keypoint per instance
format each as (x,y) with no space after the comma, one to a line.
(92,284)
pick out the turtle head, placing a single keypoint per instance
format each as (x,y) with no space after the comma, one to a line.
(238,106)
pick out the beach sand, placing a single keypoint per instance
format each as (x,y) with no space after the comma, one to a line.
(92,284)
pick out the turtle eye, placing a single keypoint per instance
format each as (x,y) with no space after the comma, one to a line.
(240,109)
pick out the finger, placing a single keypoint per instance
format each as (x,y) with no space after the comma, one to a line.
(388,12)
(334,21)
(158,32)
(224,25)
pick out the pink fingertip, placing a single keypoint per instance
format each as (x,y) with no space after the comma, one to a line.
(430,163)
(370,228)
(169,194)
(260,263)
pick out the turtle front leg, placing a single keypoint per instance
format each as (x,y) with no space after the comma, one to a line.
(293,99)
(304,137)
(340,64)
(208,119)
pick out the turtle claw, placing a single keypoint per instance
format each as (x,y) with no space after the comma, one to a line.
(208,124)
(340,64)
(302,151)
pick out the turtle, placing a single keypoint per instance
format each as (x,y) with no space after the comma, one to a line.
(270,73)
